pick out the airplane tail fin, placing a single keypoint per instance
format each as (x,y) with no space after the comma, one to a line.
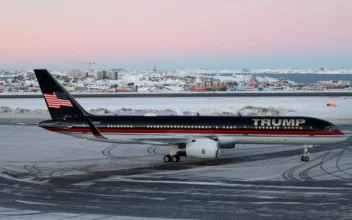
(60,103)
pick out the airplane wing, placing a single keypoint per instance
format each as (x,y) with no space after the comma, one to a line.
(166,140)
(160,140)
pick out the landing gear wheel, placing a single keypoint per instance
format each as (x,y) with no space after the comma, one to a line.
(167,158)
(305,158)
(175,158)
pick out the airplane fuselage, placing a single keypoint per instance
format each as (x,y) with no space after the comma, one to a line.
(226,129)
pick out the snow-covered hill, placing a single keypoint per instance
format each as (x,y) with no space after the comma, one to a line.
(274,71)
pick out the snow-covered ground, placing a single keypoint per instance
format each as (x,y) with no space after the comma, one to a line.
(177,80)
(38,156)
(170,80)
(303,106)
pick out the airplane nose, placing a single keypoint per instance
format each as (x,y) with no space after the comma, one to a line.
(344,136)
(341,136)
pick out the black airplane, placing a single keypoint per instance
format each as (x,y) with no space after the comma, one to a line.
(191,136)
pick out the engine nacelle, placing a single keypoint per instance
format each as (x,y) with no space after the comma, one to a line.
(200,148)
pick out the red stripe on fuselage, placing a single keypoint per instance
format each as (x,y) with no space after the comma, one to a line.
(212,131)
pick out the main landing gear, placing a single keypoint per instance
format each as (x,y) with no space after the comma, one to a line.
(173,154)
(305,157)
(174,158)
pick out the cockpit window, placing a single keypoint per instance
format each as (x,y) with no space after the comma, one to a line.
(332,128)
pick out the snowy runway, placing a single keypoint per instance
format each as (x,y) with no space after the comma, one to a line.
(34,154)
(55,176)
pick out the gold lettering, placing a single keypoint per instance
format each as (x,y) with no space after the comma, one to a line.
(300,121)
(266,122)
(288,122)
(256,121)
(276,122)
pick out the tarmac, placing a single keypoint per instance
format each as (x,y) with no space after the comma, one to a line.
(45,175)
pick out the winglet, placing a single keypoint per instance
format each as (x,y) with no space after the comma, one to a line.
(95,131)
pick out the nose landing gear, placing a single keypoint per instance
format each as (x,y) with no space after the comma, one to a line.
(305,156)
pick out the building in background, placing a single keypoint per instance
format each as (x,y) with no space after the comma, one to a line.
(113,75)
(101,74)
(278,84)
(70,88)
(76,74)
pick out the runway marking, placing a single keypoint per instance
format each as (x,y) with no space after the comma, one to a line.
(19,212)
(111,179)
(227,202)
(253,193)
(292,203)
(263,178)
(86,184)
(112,196)
(153,166)
(270,203)
(36,203)
(323,193)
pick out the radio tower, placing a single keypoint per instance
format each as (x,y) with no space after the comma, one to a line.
(90,65)
(154,70)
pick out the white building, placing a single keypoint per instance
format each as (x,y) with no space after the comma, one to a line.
(102,74)
(113,75)
(76,73)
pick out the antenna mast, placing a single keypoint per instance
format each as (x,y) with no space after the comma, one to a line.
(90,65)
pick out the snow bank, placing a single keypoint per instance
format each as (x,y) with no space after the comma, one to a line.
(290,106)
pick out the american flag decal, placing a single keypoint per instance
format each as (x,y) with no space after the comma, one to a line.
(57,99)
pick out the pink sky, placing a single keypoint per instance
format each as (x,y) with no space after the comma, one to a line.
(175,32)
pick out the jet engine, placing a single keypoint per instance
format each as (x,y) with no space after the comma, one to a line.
(200,148)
